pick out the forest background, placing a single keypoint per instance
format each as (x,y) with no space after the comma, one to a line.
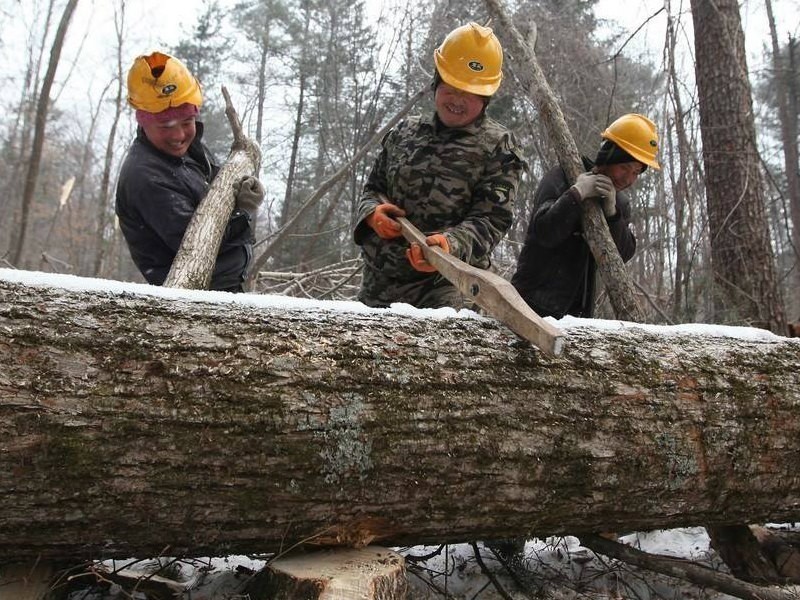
(313,81)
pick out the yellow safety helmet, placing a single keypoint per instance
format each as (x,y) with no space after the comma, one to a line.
(471,59)
(636,135)
(159,81)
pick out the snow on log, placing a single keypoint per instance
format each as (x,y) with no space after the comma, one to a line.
(139,418)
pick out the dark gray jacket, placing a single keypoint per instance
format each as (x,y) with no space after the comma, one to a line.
(556,270)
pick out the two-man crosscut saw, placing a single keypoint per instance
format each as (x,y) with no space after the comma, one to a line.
(489,291)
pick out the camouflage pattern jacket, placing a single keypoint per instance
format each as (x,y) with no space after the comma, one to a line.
(458,181)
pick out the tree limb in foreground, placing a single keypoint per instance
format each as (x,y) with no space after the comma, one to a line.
(194,263)
(609,263)
(686,570)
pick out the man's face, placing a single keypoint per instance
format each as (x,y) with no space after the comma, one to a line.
(456,108)
(623,175)
(172,137)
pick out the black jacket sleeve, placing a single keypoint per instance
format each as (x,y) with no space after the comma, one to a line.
(557,210)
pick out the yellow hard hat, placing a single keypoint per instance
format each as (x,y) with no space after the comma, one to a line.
(636,135)
(471,59)
(159,81)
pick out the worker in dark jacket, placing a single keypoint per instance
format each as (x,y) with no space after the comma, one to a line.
(556,270)
(167,173)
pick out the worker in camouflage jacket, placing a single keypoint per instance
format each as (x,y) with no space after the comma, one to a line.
(453,174)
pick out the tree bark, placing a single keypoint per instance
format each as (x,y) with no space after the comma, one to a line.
(783,77)
(678,174)
(620,288)
(197,255)
(130,423)
(741,254)
(42,111)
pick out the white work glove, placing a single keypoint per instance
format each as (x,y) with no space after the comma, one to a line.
(595,185)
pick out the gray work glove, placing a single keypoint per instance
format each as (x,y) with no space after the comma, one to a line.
(249,194)
(595,185)
(608,200)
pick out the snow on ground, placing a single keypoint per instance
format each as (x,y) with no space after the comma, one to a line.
(558,568)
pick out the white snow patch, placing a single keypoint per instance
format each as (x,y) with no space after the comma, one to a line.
(88,284)
(694,329)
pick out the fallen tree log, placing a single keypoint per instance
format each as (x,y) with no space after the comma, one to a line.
(208,423)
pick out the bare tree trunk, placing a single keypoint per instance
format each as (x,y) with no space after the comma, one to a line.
(261,91)
(794,109)
(21,131)
(680,185)
(618,284)
(298,129)
(42,111)
(197,255)
(783,80)
(744,266)
(129,423)
(105,209)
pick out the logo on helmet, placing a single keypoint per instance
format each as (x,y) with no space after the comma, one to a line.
(475,66)
(169,89)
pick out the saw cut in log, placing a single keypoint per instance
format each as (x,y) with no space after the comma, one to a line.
(491,292)
(370,573)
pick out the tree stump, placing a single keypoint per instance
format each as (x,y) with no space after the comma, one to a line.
(370,573)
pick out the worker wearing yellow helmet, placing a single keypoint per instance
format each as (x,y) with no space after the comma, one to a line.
(167,173)
(454,174)
(556,270)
